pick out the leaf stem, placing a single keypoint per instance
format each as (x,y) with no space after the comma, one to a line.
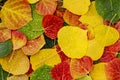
(112,19)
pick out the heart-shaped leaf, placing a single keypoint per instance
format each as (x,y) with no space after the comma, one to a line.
(15,14)
(81,67)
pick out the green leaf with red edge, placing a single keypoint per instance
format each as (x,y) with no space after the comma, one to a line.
(81,67)
(61,71)
(45,7)
(15,14)
(52,25)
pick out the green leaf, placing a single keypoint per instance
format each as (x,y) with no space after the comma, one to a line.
(5,48)
(3,74)
(85,78)
(108,9)
(34,28)
(42,73)
(118,55)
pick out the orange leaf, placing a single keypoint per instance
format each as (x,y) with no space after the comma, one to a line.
(45,7)
(15,14)
(33,46)
(5,34)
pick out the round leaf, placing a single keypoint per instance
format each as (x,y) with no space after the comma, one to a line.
(73,41)
(5,48)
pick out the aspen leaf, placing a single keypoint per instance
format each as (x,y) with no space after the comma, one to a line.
(73,41)
(16,63)
(45,56)
(91,18)
(15,14)
(106,35)
(18,77)
(78,7)
(45,7)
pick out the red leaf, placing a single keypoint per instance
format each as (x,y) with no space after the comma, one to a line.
(107,56)
(61,71)
(51,25)
(61,53)
(81,67)
(45,7)
(113,69)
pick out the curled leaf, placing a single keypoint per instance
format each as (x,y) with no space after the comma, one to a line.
(15,14)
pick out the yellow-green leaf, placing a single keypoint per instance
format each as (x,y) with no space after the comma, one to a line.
(78,7)
(45,56)
(91,18)
(73,41)
(15,13)
(18,77)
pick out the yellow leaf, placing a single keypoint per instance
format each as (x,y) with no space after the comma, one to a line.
(78,7)
(45,56)
(18,77)
(91,18)
(95,50)
(98,72)
(16,63)
(73,41)
(106,35)
(32,1)
(15,14)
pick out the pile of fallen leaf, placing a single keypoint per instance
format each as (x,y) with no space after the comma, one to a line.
(60,40)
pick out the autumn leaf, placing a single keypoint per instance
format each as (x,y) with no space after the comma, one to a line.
(5,34)
(78,7)
(16,63)
(73,41)
(85,78)
(61,71)
(42,73)
(106,35)
(45,7)
(45,56)
(108,9)
(52,25)
(91,18)
(71,19)
(33,46)
(34,28)
(81,67)
(18,77)
(15,14)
